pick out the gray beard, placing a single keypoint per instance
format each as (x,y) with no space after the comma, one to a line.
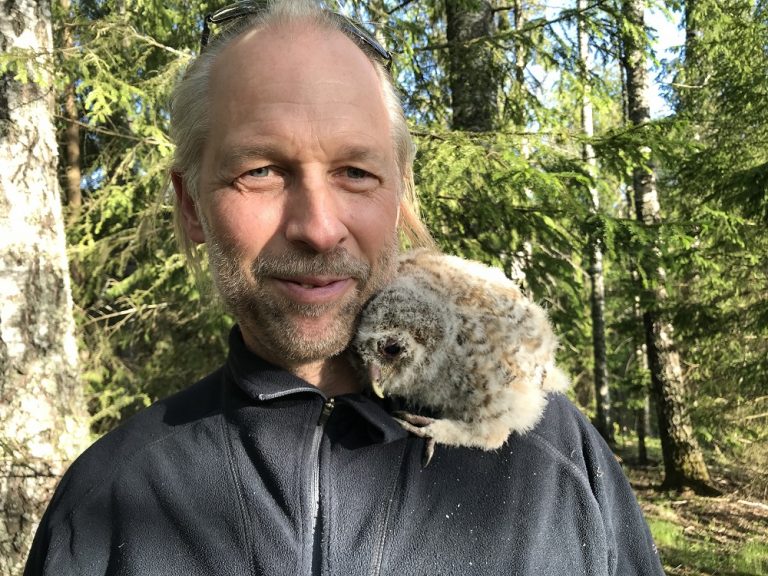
(267,314)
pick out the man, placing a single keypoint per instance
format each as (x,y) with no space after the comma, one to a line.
(294,168)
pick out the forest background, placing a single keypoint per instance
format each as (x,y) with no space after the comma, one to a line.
(537,153)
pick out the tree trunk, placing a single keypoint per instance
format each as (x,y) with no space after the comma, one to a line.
(641,427)
(42,416)
(72,132)
(692,30)
(603,417)
(72,146)
(521,61)
(472,74)
(683,460)
(520,261)
(689,78)
(643,416)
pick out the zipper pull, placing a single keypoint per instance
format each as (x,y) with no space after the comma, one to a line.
(328,407)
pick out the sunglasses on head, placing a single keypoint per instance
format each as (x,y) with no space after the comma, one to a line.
(352,29)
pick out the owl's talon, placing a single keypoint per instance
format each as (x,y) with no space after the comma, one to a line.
(429,451)
(415,430)
(418,426)
(415,420)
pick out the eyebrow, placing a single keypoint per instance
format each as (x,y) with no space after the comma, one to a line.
(360,154)
(236,155)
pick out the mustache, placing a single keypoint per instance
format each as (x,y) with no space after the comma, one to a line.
(293,264)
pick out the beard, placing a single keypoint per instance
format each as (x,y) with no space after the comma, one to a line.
(274,319)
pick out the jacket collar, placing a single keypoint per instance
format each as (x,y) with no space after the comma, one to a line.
(259,379)
(262,381)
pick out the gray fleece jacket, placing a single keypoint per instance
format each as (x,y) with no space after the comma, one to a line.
(253,471)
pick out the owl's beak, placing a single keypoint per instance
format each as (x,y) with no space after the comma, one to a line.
(374,373)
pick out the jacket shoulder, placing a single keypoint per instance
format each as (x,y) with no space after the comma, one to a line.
(566,435)
(107,458)
(562,424)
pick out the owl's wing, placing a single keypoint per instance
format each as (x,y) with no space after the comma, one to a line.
(521,335)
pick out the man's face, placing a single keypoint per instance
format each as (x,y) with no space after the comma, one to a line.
(298,189)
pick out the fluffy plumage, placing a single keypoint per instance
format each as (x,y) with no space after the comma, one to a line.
(459,339)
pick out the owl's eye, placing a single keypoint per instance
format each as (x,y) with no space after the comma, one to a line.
(390,349)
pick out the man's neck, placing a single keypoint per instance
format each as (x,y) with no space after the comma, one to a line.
(332,376)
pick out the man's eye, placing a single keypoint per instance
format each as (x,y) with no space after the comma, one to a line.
(260,179)
(261,172)
(357,173)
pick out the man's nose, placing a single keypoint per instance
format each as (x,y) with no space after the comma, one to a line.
(314,214)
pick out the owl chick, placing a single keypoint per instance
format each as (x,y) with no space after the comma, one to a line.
(458,338)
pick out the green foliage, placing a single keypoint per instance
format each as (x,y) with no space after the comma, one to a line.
(25,66)
(715,178)
(484,200)
(145,330)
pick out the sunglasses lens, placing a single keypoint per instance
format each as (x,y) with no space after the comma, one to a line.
(356,31)
(234,11)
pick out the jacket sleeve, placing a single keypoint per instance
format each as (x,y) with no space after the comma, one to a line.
(628,544)
(37,554)
(42,545)
(632,550)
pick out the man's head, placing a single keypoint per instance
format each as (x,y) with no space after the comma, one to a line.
(294,166)
(190,119)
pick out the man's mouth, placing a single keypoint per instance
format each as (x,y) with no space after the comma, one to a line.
(313,282)
(314,290)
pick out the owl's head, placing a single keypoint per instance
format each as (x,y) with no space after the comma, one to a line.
(401,328)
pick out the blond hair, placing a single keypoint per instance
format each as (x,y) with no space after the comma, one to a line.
(190,105)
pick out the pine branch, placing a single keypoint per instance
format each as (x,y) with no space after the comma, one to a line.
(521,32)
(106,132)
(399,7)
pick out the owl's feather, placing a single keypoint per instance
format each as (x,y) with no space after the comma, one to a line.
(458,338)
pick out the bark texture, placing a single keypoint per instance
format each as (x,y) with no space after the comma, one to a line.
(472,74)
(42,416)
(603,419)
(684,464)
(73,173)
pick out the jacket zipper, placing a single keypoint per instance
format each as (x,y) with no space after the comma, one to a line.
(381,537)
(315,552)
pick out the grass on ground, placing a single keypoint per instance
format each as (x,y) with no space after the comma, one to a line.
(701,535)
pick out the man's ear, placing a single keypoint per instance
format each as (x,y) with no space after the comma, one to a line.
(189,216)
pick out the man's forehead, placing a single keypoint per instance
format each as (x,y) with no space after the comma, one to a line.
(295,71)
(296,48)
